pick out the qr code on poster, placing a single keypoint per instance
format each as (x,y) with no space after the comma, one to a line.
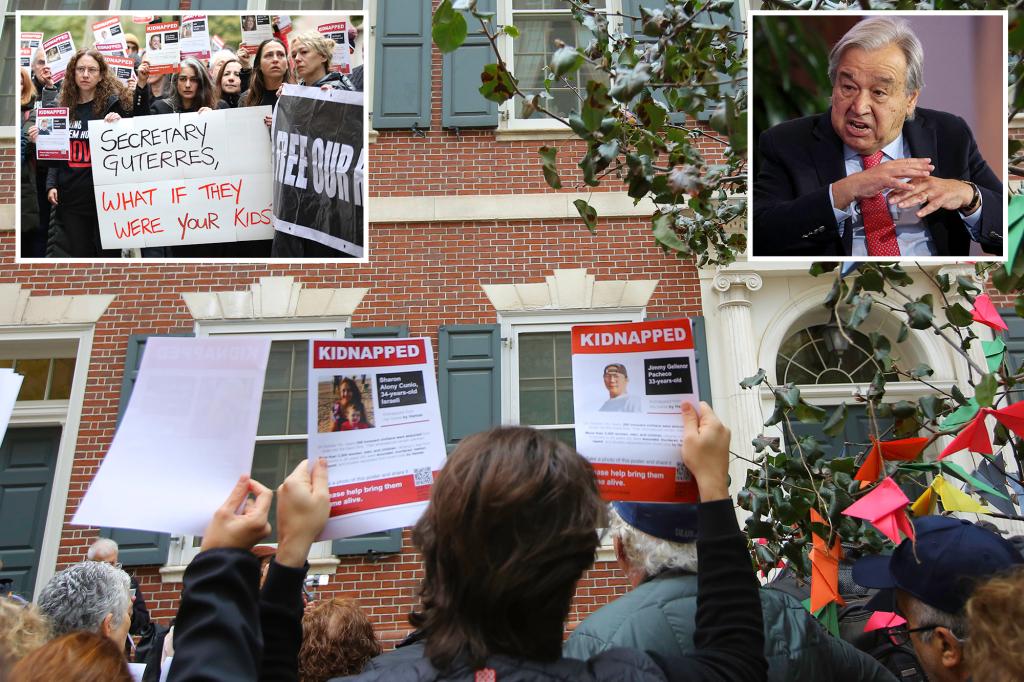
(682,473)
(422,477)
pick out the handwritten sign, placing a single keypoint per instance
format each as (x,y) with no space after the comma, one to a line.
(183,178)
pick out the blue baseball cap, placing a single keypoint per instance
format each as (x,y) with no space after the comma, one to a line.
(941,569)
(672,522)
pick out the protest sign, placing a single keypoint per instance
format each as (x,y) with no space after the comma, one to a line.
(30,42)
(255,29)
(59,50)
(25,57)
(10,386)
(374,415)
(195,37)
(143,18)
(54,141)
(109,50)
(122,67)
(217,42)
(109,31)
(191,426)
(338,32)
(319,167)
(183,178)
(629,381)
(163,50)
(284,25)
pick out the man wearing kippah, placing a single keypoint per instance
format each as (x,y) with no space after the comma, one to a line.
(928,582)
(655,545)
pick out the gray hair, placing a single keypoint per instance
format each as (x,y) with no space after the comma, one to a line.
(923,614)
(81,596)
(102,547)
(875,33)
(650,554)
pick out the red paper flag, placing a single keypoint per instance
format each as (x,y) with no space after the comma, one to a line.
(973,437)
(825,569)
(1012,417)
(872,468)
(905,450)
(986,313)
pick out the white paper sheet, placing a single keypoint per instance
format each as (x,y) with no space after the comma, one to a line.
(10,386)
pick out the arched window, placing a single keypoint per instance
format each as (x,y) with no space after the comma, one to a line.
(818,354)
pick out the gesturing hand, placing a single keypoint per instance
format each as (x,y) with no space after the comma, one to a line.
(240,530)
(303,507)
(706,451)
(888,175)
(936,193)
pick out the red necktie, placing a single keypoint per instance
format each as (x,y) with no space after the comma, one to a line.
(879,230)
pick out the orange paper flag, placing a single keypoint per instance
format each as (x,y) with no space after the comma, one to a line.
(986,313)
(824,570)
(904,450)
(872,467)
(1012,417)
(973,437)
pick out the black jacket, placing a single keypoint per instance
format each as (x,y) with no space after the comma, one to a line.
(800,159)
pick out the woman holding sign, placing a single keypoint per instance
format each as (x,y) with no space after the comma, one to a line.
(311,54)
(191,91)
(91,93)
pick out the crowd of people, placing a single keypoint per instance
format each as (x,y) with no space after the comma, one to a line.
(59,218)
(510,528)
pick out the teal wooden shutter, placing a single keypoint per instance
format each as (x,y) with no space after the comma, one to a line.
(137,547)
(1014,340)
(469,379)
(401,77)
(462,105)
(700,347)
(384,541)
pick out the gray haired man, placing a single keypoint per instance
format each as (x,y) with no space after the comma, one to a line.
(89,596)
(655,545)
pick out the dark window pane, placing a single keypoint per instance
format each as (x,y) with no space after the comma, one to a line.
(271,464)
(60,382)
(35,373)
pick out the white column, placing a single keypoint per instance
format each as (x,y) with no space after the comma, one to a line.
(740,361)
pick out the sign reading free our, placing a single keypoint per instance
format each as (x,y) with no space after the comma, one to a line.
(183,178)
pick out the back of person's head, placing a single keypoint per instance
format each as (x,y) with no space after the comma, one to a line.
(82,595)
(644,548)
(76,657)
(510,528)
(22,630)
(337,640)
(995,621)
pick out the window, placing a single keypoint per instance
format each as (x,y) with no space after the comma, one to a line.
(805,358)
(45,378)
(63,5)
(297,5)
(540,24)
(545,383)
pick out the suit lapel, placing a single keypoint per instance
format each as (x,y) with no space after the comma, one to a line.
(827,153)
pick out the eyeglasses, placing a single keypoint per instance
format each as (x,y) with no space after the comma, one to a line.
(899,635)
(82,70)
(615,375)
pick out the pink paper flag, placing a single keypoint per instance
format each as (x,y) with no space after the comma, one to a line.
(986,313)
(883,507)
(883,619)
(1012,417)
(973,437)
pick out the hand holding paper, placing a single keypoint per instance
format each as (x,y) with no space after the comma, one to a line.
(240,522)
(303,507)
(706,451)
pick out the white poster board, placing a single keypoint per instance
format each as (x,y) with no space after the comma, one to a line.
(255,29)
(109,31)
(374,415)
(54,141)
(629,381)
(59,50)
(183,178)
(163,50)
(10,386)
(338,32)
(195,37)
(189,429)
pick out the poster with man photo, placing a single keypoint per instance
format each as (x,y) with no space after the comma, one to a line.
(345,403)
(110,31)
(319,167)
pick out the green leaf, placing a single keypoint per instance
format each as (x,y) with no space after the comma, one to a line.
(872,280)
(921,370)
(836,421)
(565,61)
(498,84)
(630,81)
(876,391)
(956,470)
(608,151)
(903,334)
(860,311)
(985,391)
(511,31)
(750,382)
(904,409)
(958,316)
(789,394)
(931,406)
(595,106)
(449,28)
(809,414)
(588,214)
(919,312)
(547,155)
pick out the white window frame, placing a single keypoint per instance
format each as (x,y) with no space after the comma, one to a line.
(506,45)
(321,559)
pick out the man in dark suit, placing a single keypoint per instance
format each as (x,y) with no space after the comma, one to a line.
(874,175)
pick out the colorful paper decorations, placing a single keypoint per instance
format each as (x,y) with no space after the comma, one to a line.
(883,507)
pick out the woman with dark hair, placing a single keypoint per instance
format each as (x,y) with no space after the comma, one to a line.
(33,239)
(191,91)
(77,657)
(228,87)
(269,72)
(337,639)
(90,93)
(348,396)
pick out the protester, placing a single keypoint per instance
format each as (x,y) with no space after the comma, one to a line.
(995,621)
(47,94)
(90,93)
(270,71)
(191,91)
(228,87)
(132,44)
(22,631)
(311,54)
(509,530)
(42,79)
(654,547)
(33,239)
(928,581)
(106,550)
(89,596)
(75,657)
(337,639)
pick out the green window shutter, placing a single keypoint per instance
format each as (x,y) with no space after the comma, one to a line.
(462,105)
(469,379)
(384,541)
(137,547)
(401,78)
(700,347)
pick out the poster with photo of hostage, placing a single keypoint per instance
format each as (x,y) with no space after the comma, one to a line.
(338,32)
(255,29)
(54,142)
(122,67)
(195,37)
(108,33)
(629,381)
(30,42)
(374,416)
(163,50)
(59,50)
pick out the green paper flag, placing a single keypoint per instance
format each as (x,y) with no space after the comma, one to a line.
(1016,232)
(993,353)
(829,617)
(961,415)
(961,473)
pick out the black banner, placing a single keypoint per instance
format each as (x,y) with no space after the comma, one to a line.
(319,167)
